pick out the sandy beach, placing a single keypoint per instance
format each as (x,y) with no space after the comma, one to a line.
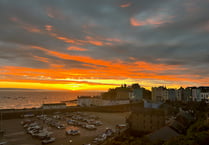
(16,135)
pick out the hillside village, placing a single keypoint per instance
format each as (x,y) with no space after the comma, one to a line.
(160,116)
(133,93)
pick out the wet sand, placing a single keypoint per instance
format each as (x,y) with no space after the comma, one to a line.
(16,135)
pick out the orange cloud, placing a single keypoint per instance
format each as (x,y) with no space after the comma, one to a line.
(31,29)
(135,22)
(75,48)
(93,41)
(65,39)
(125,5)
(42,59)
(158,20)
(97,43)
(110,74)
(116,66)
(57,65)
(97,40)
(48,27)
(98,73)
(140,70)
(84,59)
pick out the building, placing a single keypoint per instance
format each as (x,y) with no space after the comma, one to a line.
(123,94)
(204,96)
(54,106)
(180,94)
(137,93)
(84,101)
(88,101)
(163,94)
(193,94)
(114,102)
(196,94)
(172,94)
(159,93)
(188,94)
(118,93)
(146,119)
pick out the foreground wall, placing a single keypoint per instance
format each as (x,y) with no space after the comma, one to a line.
(146,120)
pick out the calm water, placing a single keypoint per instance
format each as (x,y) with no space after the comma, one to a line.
(23,99)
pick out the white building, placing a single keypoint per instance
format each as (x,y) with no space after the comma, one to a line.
(196,94)
(87,101)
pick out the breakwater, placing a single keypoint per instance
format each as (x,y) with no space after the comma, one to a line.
(17,113)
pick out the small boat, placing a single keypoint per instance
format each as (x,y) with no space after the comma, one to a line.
(72,132)
(90,127)
(3,143)
(48,140)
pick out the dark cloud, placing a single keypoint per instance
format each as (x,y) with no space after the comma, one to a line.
(175,33)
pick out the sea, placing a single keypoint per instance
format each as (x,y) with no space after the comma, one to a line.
(35,99)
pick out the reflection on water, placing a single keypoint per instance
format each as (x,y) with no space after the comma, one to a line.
(20,99)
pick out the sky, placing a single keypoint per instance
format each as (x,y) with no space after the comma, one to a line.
(101,44)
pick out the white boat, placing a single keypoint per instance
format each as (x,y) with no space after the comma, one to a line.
(48,140)
(44,134)
(90,127)
(3,143)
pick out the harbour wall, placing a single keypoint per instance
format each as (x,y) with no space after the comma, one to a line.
(17,113)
